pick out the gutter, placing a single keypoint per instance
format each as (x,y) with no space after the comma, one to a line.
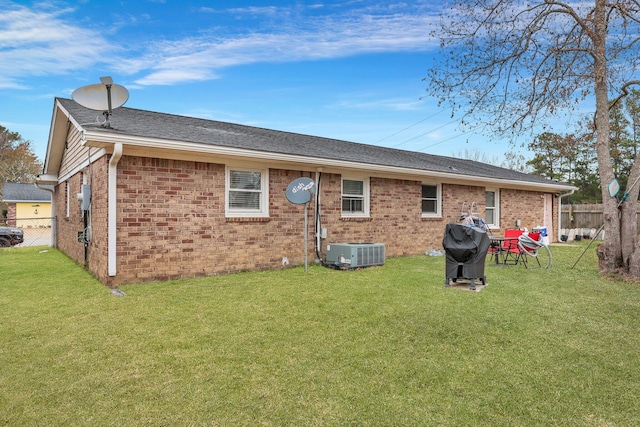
(112,225)
(561,195)
(54,224)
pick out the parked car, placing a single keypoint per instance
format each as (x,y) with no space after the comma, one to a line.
(10,236)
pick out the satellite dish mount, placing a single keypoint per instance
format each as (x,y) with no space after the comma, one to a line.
(95,98)
(299,192)
(108,82)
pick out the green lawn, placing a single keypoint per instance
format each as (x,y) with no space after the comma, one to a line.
(381,346)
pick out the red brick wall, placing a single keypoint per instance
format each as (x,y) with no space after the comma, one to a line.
(526,206)
(11,214)
(394,220)
(98,249)
(172,223)
(396,215)
(69,226)
(171,220)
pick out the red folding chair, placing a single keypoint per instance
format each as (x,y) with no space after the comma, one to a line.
(511,250)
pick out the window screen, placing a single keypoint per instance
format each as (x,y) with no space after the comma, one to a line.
(429,199)
(352,196)
(245,190)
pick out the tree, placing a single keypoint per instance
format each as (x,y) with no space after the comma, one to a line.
(512,65)
(621,144)
(515,161)
(512,160)
(18,163)
(633,110)
(477,155)
(568,158)
(550,159)
(585,174)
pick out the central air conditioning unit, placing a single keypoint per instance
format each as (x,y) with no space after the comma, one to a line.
(355,255)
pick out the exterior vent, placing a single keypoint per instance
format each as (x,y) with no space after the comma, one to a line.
(355,255)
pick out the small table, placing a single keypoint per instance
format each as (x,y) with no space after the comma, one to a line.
(501,247)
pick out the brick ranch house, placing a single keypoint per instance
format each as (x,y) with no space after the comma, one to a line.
(167,196)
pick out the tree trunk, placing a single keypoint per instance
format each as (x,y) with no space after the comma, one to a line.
(634,263)
(629,262)
(610,251)
(629,224)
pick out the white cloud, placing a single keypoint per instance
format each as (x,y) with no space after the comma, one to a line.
(255,10)
(10,83)
(40,42)
(324,39)
(168,76)
(43,41)
(386,104)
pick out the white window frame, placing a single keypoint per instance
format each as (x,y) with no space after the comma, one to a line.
(263,211)
(438,212)
(365,197)
(496,208)
(67,190)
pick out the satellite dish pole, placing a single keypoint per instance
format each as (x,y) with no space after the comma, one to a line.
(107,81)
(300,191)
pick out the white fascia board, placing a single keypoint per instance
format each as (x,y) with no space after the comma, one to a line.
(102,138)
(70,117)
(26,201)
(47,179)
(55,149)
(50,139)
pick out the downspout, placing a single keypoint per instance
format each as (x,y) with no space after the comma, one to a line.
(112,212)
(561,195)
(318,221)
(54,223)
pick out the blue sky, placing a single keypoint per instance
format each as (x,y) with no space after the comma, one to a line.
(345,69)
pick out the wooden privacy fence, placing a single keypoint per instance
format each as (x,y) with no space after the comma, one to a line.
(583,216)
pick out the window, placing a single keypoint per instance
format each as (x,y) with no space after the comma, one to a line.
(492,208)
(355,197)
(431,200)
(247,193)
(67,195)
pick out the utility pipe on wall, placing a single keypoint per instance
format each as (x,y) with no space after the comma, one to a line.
(318,221)
(112,212)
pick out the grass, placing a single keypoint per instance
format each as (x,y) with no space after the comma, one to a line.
(383,346)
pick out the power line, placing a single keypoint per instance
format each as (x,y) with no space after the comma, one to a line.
(425,133)
(429,131)
(448,139)
(410,126)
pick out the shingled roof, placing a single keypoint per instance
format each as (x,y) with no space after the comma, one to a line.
(148,124)
(19,192)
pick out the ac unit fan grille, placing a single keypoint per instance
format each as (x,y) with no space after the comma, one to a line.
(371,255)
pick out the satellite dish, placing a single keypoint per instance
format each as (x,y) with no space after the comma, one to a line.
(300,190)
(613,188)
(102,97)
(95,97)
